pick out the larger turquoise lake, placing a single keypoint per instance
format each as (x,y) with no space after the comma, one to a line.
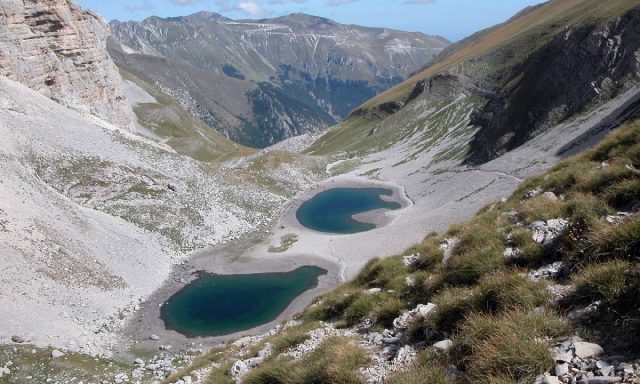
(332,211)
(215,305)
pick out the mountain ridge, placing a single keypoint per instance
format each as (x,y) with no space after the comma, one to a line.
(274,78)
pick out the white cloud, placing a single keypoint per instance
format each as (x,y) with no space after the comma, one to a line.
(251,8)
(248,7)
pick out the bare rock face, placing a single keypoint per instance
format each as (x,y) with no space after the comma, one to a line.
(58,49)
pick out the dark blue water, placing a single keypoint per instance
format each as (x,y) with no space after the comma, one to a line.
(331,211)
(215,305)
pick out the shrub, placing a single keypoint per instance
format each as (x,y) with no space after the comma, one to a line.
(469,267)
(598,179)
(508,345)
(425,286)
(624,195)
(387,309)
(332,305)
(430,255)
(360,308)
(508,289)
(616,241)
(336,360)
(454,303)
(292,336)
(420,375)
(601,281)
(541,208)
(387,273)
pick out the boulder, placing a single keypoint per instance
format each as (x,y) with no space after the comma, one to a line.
(550,196)
(266,351)
(239,369)
(603,380)
(403,321)
(17,339)
(443,345)
(425,310)
(550,380)
(563,357)
(562,369)
(409,260)
(154,337)
(585,350)
(56,353)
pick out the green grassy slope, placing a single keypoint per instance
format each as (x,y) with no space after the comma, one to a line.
(485,300)
(502,321)
(184,133)
(489,62)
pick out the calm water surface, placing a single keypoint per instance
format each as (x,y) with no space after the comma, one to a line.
(215,305)
(331,211)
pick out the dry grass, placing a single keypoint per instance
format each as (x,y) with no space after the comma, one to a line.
(508,345)
(335,361)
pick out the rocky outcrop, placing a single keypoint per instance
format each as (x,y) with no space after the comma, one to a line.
(579,68)
(59,50)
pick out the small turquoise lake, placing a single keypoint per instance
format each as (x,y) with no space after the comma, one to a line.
(216,305)
(332,211)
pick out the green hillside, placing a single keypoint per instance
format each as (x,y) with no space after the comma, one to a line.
(508,73)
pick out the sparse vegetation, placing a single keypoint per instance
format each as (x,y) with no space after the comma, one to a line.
(286,242)
(336,360)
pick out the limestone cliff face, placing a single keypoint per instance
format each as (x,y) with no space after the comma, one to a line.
(59,50)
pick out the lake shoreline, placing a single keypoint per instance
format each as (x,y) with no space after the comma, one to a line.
(249,255)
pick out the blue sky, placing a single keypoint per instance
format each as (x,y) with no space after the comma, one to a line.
(453,19)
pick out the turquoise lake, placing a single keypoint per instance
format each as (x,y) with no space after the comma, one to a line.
(215,305)
(331,211)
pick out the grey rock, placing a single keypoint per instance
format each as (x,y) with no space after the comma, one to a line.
(537,225)
(582,313)
(426,310)
(564,357)
(154,337)
(410,260)
(391,340)
(266,351)
(557,225)
(585,350)
(254,361)
(56,353)
(138,362)
(443,345)
(239,369)
(4,371)
(625,368)
(550,379)
(562,369)
(550,196)
(533,193)
(17,339)
(373,291)
(603,380)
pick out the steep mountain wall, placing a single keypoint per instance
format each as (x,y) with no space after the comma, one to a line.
(577,69)
(58,49)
